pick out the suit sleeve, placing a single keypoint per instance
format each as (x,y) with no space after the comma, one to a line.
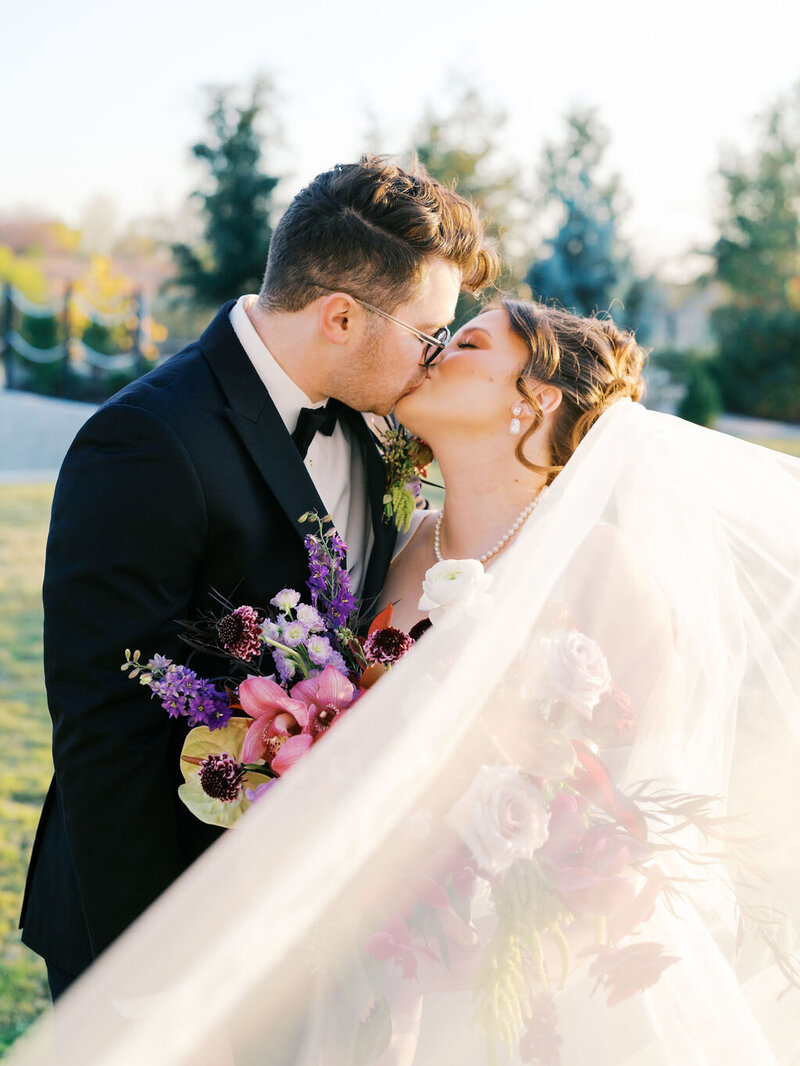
(127,532)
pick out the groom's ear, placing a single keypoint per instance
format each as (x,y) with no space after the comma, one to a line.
(336,317)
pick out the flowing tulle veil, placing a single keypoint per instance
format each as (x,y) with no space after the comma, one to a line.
(676,550)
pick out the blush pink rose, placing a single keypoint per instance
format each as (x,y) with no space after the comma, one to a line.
(501,817)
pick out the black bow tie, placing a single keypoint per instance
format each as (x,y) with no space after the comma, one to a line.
(315,420)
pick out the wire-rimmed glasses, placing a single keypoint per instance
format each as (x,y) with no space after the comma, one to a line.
(433,345)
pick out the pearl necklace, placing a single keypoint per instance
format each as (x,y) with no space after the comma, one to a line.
(517,524)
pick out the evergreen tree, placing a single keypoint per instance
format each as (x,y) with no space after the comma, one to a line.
(588,266)
(757,260)
(236,205)
(758,251)
(460,149)
(701,401)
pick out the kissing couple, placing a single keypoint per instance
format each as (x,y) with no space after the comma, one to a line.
(472,840)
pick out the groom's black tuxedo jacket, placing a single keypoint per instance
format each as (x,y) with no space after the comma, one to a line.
(185,482)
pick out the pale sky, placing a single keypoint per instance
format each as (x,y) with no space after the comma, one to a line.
(105,99)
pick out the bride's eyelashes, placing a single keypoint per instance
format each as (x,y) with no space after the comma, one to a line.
(466,344)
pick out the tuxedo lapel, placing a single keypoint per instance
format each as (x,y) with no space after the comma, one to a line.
(384,533)
(279,463)
(258,424)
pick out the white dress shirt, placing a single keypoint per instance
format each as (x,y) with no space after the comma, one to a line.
(334,463)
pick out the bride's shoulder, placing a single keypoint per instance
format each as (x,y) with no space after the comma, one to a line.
(608,559)
(421,518)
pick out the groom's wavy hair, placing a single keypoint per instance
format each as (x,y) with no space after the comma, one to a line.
(592,361)
(367,229)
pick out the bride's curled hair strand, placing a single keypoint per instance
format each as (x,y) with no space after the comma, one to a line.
(592,361)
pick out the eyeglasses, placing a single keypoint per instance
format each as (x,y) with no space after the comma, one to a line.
(433,344)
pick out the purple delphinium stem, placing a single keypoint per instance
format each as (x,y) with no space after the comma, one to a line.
(328,581)
(184,694)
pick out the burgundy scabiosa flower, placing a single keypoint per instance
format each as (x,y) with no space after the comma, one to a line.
(387,645)
(240,633)
(222,777)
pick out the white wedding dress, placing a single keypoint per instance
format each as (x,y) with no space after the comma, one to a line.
(676,550)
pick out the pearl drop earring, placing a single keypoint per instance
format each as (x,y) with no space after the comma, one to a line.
(514,428)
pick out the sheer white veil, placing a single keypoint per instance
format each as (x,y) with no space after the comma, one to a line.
(677,550)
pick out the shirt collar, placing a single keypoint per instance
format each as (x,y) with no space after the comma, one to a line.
(288,397)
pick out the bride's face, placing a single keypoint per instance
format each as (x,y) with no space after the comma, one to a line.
(471,390)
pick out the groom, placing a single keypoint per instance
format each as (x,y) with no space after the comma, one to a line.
(193,479)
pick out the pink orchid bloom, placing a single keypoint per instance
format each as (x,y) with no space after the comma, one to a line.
(289,752)
(395,943)
(276,716)
(325,696)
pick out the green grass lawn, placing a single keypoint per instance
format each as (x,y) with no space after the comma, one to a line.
(25,730)
(782,444)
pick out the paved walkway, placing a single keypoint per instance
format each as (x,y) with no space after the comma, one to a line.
(758,428)
(35,432)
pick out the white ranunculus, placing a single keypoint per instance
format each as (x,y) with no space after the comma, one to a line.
(577,672)
(452,588)
(501,817)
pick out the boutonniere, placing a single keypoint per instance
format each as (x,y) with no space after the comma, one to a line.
(406,460)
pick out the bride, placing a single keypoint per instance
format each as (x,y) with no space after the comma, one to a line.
(615,606)
(503,409)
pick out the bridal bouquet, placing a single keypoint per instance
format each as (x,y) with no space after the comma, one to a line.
(249,731)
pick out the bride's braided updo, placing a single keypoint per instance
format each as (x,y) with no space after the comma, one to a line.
(591,360)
